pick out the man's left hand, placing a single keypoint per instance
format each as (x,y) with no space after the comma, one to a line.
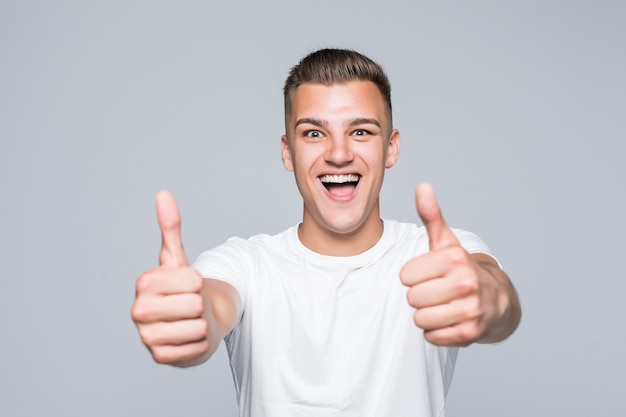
(459,298)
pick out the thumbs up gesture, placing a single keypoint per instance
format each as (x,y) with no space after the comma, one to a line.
(459,298)
(169,308)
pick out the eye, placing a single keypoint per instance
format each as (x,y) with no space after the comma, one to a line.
(314,134)
(360,132)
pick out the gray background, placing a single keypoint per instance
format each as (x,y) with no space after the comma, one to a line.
(515,111)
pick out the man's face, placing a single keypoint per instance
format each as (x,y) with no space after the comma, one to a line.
(338,144)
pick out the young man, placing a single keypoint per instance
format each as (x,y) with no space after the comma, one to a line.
(345,314)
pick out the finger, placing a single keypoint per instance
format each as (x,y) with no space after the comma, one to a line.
(168,215)
(168,308)
(166,281)
(460,335)
(446,315)
(439,234)
(435,292)
(173,333)
(433,265)
(173,354)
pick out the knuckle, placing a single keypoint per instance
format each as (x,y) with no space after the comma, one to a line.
(190,278)
(408,271)
(417,319)
(467,334)
(204,346)
(418,301)
(197,281)
(162,355)
(197,305)
(467,285)
(147,337)
(470,313)
(409,296)
(139,312)
(431,338)
(146,310)
(144,282)
(457,255)
(405,274)
(203,328)
(403,279)
(466,315)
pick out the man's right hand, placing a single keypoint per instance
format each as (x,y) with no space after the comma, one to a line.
(170,306)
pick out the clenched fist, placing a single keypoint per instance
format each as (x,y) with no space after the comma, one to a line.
(170,306)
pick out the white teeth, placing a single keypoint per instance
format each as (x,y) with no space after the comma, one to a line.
(339,179)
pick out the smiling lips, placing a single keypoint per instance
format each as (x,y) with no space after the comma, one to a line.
(340,185)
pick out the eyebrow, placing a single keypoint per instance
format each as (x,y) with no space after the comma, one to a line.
(363,121)
(311,121)
(352,122)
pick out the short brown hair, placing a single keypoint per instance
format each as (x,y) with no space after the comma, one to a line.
(330,66)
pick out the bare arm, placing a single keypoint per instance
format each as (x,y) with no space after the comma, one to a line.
(223,306)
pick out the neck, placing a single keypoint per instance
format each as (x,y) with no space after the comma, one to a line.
(332,243)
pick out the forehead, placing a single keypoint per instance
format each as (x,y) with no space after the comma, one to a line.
(341,100)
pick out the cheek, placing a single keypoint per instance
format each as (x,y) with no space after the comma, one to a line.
(303,160)
(374,155)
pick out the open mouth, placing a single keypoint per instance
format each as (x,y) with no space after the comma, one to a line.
(340,185)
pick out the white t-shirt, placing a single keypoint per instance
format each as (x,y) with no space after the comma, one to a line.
(330,336)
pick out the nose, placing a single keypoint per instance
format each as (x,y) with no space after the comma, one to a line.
(339,151)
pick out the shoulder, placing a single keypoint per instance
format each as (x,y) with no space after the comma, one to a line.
(237,249)
(238,261)
(403,233)
(403,240)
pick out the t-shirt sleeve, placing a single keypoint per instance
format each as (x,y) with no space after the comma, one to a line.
(229,262)
(473,244)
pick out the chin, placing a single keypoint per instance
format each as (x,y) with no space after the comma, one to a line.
(346,227)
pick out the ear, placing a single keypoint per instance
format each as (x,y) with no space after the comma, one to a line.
(286,153)
(393,149)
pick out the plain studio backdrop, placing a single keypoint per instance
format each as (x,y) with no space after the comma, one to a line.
(515,111)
